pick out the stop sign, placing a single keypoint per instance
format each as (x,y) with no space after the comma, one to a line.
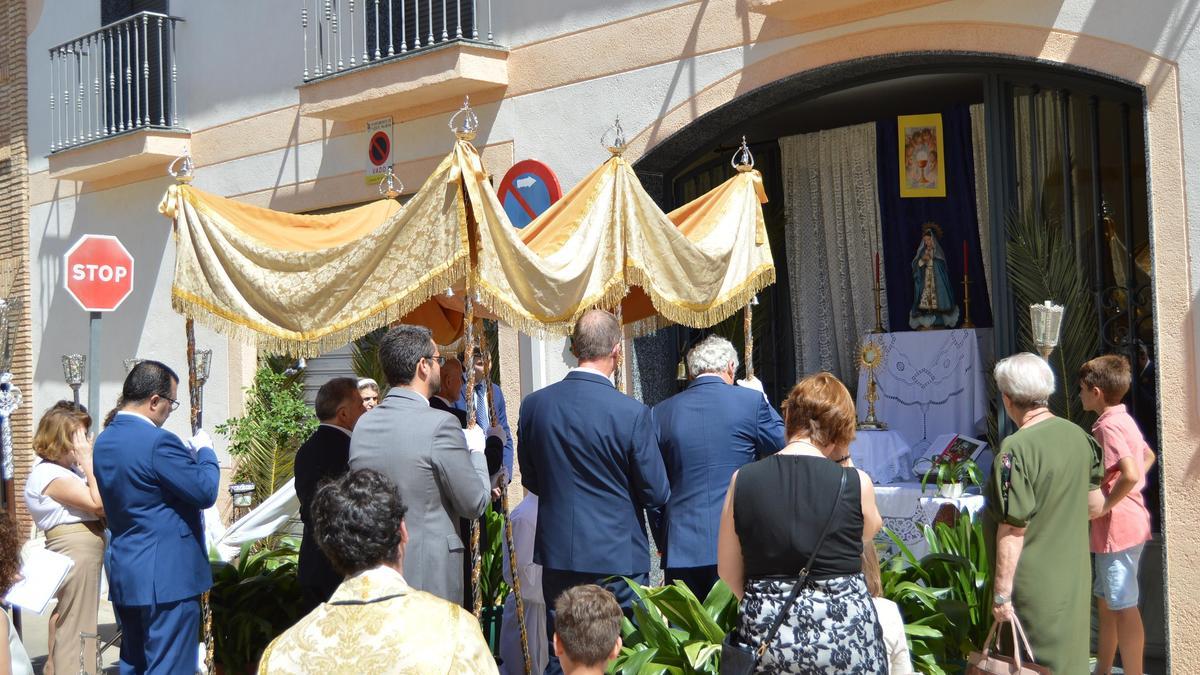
(99,272)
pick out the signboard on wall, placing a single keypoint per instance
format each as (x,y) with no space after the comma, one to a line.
(528,189)
(379,149)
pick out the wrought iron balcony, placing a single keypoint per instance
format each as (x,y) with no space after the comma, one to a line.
(115,81)
(376,57)
(342,35)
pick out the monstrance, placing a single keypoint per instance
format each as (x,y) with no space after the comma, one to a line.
(870,357)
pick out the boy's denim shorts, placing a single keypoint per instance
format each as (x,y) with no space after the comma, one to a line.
(1116,578)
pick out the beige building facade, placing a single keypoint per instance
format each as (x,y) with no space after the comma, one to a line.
(271,101)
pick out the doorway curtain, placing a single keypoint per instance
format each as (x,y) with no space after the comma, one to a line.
(832,235)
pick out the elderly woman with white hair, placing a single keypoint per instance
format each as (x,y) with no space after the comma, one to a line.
(1045,481)
(370,392)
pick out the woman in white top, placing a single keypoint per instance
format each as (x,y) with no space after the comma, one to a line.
(13,659)
(63,499)
(899,661)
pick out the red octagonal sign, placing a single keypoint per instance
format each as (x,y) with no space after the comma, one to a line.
(99,272)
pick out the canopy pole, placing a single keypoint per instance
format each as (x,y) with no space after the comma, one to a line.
(196,405)
(747,323)
(485,348)
(619,371)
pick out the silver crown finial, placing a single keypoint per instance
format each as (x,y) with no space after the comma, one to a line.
(743,159)
(465,128)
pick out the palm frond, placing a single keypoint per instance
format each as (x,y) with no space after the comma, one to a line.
(365,356)
(1042,265)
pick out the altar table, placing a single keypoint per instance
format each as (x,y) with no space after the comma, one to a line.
(884,455)
(905,510)
(929,383)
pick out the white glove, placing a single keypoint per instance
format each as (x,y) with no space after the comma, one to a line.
(498,432)
(200,440)
(476,441)
(755,384)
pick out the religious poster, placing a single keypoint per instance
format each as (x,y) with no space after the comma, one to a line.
(922,171)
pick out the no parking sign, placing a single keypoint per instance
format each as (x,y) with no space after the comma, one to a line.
(528,189)
(379,149)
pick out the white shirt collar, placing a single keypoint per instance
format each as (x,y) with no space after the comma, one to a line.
(137,415)
(593,371)
(344,430)
(445,400)
(410,390)
(716,375)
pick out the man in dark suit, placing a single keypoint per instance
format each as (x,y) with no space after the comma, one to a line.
(452,383)
(706,432)
(591,456)
(154,490)
(425,453)
(483,415)
(324,456)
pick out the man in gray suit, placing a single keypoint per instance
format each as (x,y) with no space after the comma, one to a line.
(424,452)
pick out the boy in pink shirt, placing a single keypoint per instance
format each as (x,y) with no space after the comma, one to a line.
(1122,527)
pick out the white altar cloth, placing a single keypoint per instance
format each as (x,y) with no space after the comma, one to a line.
(930,383)
(905,510)
(882,454)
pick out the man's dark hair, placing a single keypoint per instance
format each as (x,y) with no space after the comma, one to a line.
(401,349)
(356,520)
(595,335)
(333,394)
(146,379)
(587,620)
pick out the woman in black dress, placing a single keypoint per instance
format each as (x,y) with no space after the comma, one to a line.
(774,513)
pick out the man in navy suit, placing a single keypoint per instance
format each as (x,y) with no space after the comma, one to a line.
(591,456)
(706,432)
(482,414)
(154,489)
(324,456)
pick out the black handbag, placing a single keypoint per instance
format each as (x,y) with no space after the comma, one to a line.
(737,659)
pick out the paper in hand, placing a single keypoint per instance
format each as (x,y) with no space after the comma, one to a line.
(43,571)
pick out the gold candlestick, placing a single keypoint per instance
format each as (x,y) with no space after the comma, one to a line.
(878,300)
(966,283)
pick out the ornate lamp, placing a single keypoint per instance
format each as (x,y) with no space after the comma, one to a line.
(1045,322)
(870,356)
(201,360)
(73,367)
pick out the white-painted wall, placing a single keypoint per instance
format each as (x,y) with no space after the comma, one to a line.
(239,59)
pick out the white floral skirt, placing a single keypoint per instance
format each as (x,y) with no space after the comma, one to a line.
(832,628)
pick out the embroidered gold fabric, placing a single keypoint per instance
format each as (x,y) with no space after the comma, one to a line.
(307,284)
(391,629)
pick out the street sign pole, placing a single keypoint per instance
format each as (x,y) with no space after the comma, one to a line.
(94,370)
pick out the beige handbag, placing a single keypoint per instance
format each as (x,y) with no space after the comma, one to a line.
(987,663)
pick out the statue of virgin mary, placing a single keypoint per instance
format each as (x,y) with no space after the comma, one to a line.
(933,301)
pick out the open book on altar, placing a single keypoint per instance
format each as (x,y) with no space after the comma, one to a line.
(958,445)
(43,572)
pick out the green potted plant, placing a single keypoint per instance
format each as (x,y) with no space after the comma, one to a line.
(950,472)
(673,632)
(492,587)
(253,601)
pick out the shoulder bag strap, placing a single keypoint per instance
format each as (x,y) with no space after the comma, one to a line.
(802,579)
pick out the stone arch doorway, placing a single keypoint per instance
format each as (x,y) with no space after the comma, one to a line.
(1098,140)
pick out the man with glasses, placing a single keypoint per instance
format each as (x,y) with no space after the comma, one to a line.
(154,489)
(424,452)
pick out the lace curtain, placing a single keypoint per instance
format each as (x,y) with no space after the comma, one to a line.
(832,234)
(979,158)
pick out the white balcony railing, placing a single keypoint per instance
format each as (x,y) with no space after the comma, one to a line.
(115,80)
(343,35)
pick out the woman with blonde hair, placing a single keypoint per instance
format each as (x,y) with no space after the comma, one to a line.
(791,541)
(63,499)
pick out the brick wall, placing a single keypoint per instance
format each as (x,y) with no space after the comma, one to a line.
(14,226)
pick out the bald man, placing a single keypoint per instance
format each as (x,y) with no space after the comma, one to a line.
(590,454)
(452,382)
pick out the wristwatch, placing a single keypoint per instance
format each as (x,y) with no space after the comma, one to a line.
(1001,599)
